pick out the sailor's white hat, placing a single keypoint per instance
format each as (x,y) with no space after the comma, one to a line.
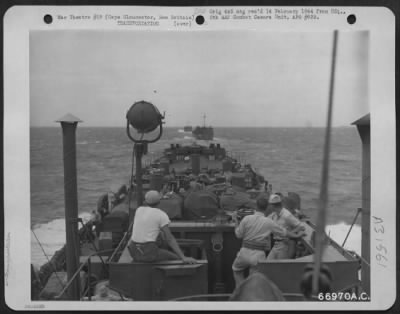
(152,197)
(275,199)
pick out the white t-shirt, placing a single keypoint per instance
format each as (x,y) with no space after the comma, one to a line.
(148,223)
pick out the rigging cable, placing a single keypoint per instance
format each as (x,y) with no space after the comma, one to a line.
(47,257)
(351,227)
(323,198)
(364,260)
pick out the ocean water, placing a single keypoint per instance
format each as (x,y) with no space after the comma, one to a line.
(289,158)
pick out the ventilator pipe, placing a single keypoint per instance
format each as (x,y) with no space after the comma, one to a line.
(68,124)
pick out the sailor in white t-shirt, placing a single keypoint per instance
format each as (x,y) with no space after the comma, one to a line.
(149,222)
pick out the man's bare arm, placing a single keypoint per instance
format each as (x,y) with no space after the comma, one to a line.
(175,247)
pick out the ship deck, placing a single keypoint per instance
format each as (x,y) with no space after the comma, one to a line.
(205,164)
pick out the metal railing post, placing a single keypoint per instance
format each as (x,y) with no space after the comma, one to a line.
(89,277)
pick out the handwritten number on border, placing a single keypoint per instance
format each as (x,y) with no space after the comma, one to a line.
(379,229)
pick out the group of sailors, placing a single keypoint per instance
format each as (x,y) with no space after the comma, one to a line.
(270,218)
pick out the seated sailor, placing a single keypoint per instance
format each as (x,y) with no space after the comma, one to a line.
(149,222)
(254,230)
(283,246)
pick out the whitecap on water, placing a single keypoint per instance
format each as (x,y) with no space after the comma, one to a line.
(339,231)
(52,238)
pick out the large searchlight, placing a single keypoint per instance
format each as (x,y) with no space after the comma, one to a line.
(145,118)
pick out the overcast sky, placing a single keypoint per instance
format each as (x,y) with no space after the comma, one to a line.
(263,79)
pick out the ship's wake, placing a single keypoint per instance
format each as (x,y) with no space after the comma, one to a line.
(52,238)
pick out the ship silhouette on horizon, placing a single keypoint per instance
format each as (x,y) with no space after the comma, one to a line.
(203,132)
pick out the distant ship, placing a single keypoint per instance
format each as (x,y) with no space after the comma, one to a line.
(203,132)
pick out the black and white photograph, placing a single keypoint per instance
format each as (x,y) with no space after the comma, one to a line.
(204,165)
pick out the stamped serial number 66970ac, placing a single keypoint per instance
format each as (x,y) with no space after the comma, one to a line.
(343,296)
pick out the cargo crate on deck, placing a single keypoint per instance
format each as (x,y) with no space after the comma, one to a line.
(161,280)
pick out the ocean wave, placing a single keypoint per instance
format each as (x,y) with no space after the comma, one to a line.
(51,236)
(86,142)
(180,139)
(339,231)
(341,159)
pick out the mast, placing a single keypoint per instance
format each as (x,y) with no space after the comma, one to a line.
(68,124)
(323,197)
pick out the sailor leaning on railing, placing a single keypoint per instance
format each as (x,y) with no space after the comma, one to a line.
(283,246)
(254,230)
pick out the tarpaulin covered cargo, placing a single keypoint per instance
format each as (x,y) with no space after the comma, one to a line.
(200,205)
(172,205)
(233,200)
